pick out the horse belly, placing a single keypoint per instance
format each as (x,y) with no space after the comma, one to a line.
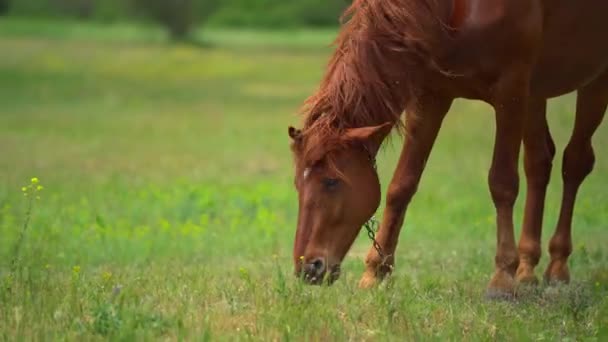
(575,47)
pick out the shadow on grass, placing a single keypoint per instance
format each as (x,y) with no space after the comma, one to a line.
(576,298)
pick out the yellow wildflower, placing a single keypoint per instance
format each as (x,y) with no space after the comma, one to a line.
(106,276)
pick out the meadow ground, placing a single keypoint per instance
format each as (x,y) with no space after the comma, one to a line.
(168,210)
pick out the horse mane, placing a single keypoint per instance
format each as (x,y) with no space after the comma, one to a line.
(379,52)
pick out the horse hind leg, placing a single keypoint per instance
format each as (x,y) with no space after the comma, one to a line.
(578,162)
(539,151)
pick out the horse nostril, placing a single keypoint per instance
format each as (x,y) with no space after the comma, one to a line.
(314,271)
(318,265)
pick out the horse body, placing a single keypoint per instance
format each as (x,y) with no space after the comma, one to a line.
(571,51)
(575,47)
(418,56)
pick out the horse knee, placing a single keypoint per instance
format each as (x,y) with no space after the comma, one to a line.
(504,187)
(538,168)
(400,193)
(578,162)
(560,246)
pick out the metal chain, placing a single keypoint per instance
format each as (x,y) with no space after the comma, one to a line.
(372,226)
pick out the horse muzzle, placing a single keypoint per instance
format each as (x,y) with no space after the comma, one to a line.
(316,272)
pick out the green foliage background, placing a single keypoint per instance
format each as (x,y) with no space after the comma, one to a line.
(168,208)
(238,13)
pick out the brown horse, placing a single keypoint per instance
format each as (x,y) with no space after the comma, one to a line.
(418,56)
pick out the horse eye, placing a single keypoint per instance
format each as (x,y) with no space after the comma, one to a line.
(330,183)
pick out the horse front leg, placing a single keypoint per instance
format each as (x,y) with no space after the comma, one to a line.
(422,126)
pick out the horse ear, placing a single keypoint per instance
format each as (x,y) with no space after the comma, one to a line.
(294,133)
(371,136)
(296,136)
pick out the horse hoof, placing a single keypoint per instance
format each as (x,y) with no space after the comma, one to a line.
(499,295)
(526,276)
(527,280)
(556,281)
(501,287)
(368,280)
(557,273)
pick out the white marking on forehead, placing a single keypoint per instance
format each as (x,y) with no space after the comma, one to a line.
(306,173)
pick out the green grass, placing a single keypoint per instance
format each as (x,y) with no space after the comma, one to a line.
(168,210)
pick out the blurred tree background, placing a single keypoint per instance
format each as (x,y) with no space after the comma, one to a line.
(179,17)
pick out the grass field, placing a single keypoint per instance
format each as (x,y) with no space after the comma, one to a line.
(168,210)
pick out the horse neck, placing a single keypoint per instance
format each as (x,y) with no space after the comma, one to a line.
(361,88)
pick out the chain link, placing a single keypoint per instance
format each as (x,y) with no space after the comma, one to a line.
(372,227)
(372,224)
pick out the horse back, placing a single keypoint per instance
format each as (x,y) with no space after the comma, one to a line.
(566,42)
(574,46)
